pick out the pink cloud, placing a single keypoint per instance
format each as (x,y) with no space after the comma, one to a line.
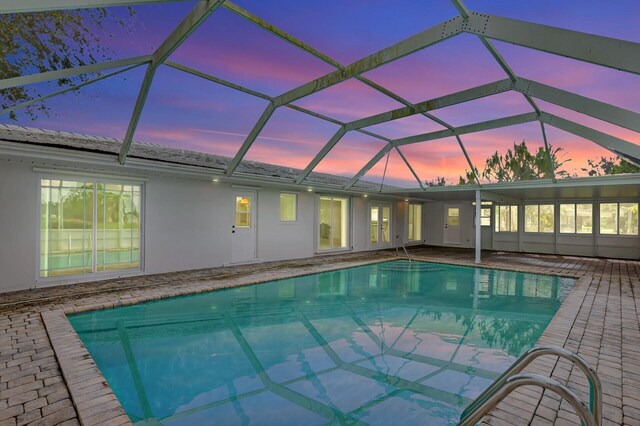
(228,46)
(350,154)
(437,158)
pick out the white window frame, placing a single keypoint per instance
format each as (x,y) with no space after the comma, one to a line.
(484,205)
(496,219)
(538,205)
(575,218)
(297,212)
(617,234)
(91,276)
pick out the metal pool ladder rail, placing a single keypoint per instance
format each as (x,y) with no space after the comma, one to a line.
(403,248)
(511,380)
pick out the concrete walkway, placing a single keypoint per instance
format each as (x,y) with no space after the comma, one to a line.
(599,320)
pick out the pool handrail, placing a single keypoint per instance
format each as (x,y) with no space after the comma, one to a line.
(403,248)
(512,383)
(595,386)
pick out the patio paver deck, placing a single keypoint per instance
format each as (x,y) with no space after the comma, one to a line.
(600,320)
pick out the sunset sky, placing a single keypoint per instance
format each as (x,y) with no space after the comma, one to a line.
(191,113)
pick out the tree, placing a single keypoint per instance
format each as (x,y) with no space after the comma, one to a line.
(469,178)
(519,164)
(610,166)
(438,181)
(48,41)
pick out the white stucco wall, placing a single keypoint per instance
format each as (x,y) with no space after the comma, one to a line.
(18,226)
(187,223)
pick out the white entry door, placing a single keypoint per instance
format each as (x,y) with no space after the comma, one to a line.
(243,229)
(380,225)
(451,224)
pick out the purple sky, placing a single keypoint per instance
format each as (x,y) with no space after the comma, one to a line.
(188,112)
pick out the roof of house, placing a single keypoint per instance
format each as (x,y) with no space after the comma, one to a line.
(150,151)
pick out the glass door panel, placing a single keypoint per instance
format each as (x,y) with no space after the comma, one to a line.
(386,224)
(374,225)
(379,225)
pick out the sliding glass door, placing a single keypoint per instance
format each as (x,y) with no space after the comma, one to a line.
(88,226)
(333,230)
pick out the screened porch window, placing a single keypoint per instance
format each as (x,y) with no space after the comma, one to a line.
(88,226)
(334,223)
(506,219)
(576,218)
(619,218)
(539,218)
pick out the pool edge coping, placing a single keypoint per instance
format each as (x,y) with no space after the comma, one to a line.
(79,369)
(92,397)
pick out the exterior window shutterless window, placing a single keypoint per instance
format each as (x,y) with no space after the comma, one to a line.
(288,207)
(506,219)
(88,226)
(539,218)
(576,218)
(619,218)
(485,216)
(485,213)
(415,222)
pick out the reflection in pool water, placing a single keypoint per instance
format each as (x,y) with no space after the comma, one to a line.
(376,344)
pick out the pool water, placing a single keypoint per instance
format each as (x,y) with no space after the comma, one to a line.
(376,344)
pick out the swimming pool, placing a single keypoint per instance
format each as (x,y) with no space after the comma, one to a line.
(376,344)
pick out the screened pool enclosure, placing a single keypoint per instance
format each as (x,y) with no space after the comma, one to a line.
(493,103)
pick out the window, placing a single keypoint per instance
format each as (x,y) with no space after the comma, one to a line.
(576,218)
(415,222)
(334,223)
(243,212)
(288,207)
(485,213)
(539,218)
(485,216)
(506,219)
(619,218)
(88,226)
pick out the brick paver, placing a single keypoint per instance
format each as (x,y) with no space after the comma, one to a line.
(600,320)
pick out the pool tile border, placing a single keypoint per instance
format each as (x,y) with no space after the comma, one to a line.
(96,404)
(92,397)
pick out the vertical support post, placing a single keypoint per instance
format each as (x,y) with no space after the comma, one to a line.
(478,226)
